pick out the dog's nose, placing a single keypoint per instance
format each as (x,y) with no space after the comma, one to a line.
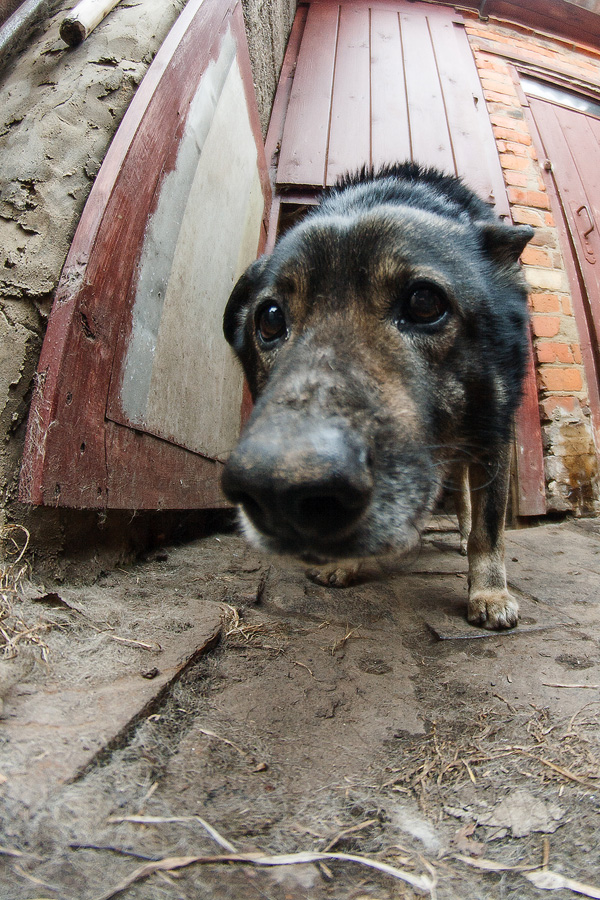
(312,481)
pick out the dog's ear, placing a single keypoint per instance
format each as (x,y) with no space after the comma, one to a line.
(239,300)
(504,243)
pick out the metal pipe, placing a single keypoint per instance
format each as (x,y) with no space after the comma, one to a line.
(18,27)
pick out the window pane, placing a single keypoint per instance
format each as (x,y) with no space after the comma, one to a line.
(545,91)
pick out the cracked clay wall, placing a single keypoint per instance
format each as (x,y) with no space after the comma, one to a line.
(59,108)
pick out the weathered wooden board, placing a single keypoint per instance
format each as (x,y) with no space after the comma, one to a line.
(76,456)
(390,131)
(350,127)
(380,83)
(303,153)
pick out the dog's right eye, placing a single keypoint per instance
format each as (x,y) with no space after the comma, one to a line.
(424,305)
(270,322)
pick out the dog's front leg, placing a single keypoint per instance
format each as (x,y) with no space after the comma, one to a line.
(490,603)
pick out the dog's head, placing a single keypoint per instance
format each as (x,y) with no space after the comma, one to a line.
(381,341)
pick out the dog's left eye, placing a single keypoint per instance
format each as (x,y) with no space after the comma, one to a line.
(425,304)
(270,322)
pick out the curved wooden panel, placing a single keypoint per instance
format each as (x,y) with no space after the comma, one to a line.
(74,455)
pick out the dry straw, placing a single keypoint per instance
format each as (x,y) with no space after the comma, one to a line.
(15,632)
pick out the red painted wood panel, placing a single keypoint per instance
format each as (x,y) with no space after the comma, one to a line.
(378,84)
(575,157)
(349,145)
(529,457)
(473,145)
(390,131)
(73,456)
(303,154)
(571,141)
(430,138)
(284,91)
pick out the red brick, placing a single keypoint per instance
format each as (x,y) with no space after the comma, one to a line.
(553,352)
(544,237)
(549,405)
(491,66)
(545,326)
(510,122)
(516,179)
(576,350)
(511,161)
(523,216)
(517,149)
(534,257)
(537,199)
(549,220)
(493,36)
(510,134)
(494,96)
(561,379)
(502,83)
(545,303)
(567,308)
(491,63)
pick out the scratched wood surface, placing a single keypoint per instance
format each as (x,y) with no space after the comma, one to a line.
(349,143)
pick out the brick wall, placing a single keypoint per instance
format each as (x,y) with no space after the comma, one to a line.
(571,463)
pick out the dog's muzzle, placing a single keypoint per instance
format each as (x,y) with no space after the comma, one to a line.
(303,482)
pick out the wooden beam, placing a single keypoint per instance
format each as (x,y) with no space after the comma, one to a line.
(82,20)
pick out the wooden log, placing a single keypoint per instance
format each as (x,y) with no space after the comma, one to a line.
(82,20)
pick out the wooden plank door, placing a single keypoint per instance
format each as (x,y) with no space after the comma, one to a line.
(571,142)
(381,82)
(137,397)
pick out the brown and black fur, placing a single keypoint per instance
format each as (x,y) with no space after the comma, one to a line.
(384,341)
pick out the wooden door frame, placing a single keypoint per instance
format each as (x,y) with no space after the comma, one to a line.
(575,277)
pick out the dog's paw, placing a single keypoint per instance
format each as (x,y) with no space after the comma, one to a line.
(335,575)
(493,609)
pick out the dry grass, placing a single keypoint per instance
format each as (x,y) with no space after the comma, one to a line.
(563,752)
(15,632)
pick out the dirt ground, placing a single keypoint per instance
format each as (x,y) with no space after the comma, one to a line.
(208,702)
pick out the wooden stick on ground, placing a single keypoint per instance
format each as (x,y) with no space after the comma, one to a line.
(82,20)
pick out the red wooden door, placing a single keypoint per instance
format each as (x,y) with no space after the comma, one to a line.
(383,81)
(137,397)
(571,142)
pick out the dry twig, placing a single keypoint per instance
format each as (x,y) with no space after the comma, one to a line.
(423,883)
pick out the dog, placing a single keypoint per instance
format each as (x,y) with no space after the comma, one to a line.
(384,342)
